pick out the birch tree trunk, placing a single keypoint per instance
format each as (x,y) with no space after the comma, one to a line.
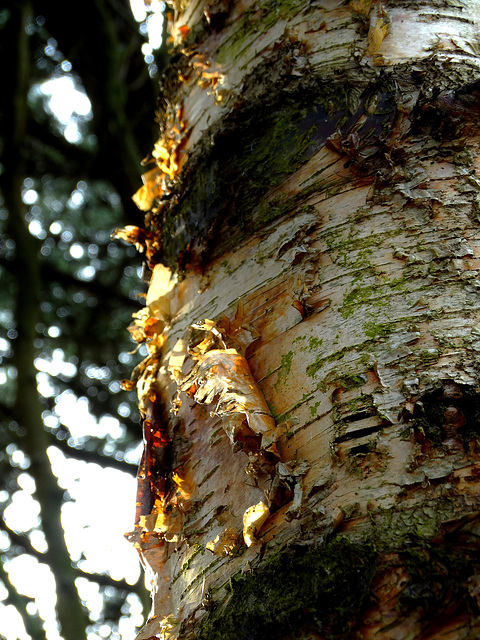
(312,457)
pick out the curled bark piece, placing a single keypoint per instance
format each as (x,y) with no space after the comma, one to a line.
(225,374)
(253,518)
(160,293)
(292,473)
(225,543)
(144,240)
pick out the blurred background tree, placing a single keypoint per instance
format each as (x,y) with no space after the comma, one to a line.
(77,116)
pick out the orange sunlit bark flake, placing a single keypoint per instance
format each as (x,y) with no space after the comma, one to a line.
(147,328)
(143,239)
(159,151)
(152,189)
(183,30)
(182,485)
(153,326)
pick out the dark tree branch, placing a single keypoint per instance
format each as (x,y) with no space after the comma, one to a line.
(21,540)
(104,580)
(58,156)
(6,413)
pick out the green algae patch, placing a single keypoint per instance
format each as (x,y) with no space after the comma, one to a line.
(314,343)
(352,382)
(313,410)
(360,295)
(254,21)
(285,366)
(374,330)
(313,368)
(324,587)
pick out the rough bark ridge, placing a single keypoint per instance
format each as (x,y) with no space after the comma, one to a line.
(312,226)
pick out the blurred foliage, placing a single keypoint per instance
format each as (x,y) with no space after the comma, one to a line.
(89,290)
(67,290)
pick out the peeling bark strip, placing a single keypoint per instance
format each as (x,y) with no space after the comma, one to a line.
(312,227)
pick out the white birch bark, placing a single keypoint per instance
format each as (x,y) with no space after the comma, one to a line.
(358,307)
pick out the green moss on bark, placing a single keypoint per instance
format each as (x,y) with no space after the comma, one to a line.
(331,588)
(324,587)
(226,192)
(256,20)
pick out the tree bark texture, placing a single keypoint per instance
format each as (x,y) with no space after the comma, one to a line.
(310,398)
